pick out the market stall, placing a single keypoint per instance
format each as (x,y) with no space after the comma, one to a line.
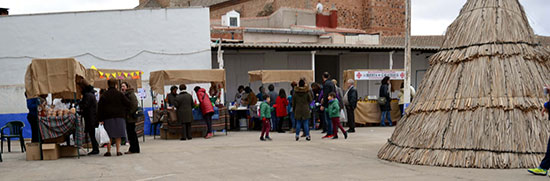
(368,110)
(99,77)
(58,77)
(276,76)
(171,128)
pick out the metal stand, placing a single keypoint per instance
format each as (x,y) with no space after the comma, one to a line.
(143,109)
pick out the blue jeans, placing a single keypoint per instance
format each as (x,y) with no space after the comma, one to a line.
(328,122)
(545,163)
(292,120)
(274,120)
(385,114)
(302,124)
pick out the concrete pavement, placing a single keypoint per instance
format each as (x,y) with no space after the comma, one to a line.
(241,156)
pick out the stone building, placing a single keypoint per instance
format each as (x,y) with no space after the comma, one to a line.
(373,16)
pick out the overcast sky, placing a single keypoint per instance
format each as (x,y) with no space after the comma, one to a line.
(430,17)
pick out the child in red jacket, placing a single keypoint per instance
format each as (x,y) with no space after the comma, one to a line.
(280,108)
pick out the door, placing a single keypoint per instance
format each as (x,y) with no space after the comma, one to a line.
(326,63)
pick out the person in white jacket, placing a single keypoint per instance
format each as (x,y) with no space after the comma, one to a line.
(401,96)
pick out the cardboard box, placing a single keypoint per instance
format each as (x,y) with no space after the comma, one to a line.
(68,151)
(50,151)
(33,151)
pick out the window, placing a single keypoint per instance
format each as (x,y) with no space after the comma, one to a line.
(233,21)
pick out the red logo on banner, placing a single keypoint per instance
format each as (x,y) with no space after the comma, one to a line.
(402,75)
(359,75)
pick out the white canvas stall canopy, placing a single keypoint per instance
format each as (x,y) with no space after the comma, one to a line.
(274,76)
(161,78)
(55,76)
(99,77)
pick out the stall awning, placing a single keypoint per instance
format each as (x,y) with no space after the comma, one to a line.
(161,78)
(55,76)
(274,76)
(98,77)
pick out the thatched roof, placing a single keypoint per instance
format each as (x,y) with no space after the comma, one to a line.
(479,103)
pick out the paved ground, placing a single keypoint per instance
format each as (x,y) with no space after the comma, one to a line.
(241,156)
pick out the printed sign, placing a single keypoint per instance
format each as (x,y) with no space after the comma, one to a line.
(379,74)
(142,94)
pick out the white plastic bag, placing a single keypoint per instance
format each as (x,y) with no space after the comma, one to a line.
(101,135)
(343,117)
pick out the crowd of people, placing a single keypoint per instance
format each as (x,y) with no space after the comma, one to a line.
(304,105)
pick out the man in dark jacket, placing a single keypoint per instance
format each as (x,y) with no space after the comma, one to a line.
(131,118)
(32,117)
(350,101)
(88,108)
(328,87)
(385,108)
(184,110)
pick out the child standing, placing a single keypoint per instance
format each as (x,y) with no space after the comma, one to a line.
(334,114)
(280,107)
(265,115)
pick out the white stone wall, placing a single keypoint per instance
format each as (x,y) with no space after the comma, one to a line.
(147,40)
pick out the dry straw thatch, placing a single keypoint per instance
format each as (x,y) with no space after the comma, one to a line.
(479,104)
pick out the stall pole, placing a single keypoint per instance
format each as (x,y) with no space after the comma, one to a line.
(77,128)
(143,111)
(407,82)
(391,59)
(313,63)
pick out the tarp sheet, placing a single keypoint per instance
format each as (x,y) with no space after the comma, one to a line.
(274,76)
(158,79)
(55,76)
(100,81)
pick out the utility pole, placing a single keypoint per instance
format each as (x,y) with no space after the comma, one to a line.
(407,83)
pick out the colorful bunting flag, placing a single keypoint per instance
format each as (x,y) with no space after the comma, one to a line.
(100,74)
(93,68)
(125,74)
(114,75)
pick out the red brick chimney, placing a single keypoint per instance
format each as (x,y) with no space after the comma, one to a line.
(330,21)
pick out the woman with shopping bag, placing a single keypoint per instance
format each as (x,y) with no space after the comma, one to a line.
(112,109)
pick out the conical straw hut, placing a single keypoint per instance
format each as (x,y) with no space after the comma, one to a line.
(479,105)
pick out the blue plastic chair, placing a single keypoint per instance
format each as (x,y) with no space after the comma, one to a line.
(16,131)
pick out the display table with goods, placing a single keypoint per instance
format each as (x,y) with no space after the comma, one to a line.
(171,128)
(58,77)
(368,110)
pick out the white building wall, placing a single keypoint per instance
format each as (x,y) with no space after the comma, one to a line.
(147,40)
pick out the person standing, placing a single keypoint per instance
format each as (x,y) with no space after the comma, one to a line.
(289,108)
(280,108)
(350,101)
(328,87)
(260,95)
(334,113)
(88,108)
(171,97)
(300,104)
(112,110)
(273,97)
(385,106)
(131,118)
(206,108)
(545,163)
(239,95)
(401,96)
(265,115)
(184,111)
(32,117)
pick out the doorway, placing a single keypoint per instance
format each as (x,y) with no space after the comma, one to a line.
(326,63)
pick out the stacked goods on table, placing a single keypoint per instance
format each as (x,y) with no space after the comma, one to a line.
(479,104)
(172,128)
(368,111)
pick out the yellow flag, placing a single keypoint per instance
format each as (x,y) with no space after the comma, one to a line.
(101,73)
(114,75)
(125,74)
(107,76)
(119,74)
(93,68)
(137,73)
(132,74)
